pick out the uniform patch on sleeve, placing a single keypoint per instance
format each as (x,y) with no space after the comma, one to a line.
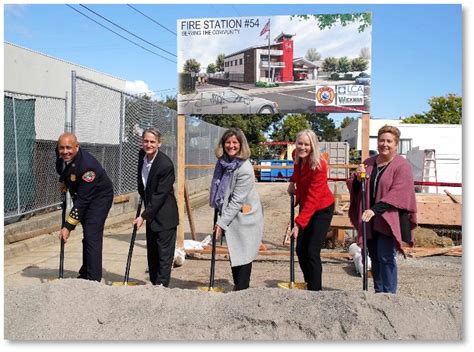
(88,176)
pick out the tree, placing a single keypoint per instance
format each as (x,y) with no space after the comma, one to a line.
(171,102)
(312,55)
(444,109)
(359,64)
(343,65)
(347,121)
(191,65)
(365,53)
(252,126)
(287,129)
(330,64)
(364,19)
(323,126)
(220,63)
(211,68)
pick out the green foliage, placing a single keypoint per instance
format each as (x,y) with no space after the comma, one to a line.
(444,109)
(220,63)
(289,126)
(191,65)
(312,55)
(359,64)
(343,65)
(262,84)
(171,102)
(364,19)
(347,121)
(324,127)
(330,64)
(253,127)
(211,68)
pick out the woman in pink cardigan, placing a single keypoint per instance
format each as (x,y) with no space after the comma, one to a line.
(391,211)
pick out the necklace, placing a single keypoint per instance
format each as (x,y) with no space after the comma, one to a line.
(377,174)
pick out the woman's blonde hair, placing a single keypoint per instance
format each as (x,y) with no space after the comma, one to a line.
(315,155)
(244,152)
(390,129)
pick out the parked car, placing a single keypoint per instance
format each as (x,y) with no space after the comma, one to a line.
(226,101)
(363,78)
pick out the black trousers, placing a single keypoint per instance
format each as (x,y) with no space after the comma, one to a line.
(160,248)
(309,243)
(241,275)
(93,228)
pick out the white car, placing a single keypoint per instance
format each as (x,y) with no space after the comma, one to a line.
(224,102)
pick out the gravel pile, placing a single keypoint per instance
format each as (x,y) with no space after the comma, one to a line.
(71,309)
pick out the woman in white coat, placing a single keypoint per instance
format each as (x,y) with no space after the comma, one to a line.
(240,213)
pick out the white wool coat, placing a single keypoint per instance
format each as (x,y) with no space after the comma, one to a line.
(242,216)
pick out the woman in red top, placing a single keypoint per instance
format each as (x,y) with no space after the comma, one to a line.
(316,203)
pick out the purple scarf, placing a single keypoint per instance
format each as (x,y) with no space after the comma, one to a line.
(223,173)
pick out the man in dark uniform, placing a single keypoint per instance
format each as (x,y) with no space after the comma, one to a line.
(155,186)
(92,194)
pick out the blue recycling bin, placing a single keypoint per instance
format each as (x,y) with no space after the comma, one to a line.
(276,174)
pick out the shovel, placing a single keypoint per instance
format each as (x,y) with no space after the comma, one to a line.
(63,221)
(292,284)
(211,287)
(130,252)
(364,237)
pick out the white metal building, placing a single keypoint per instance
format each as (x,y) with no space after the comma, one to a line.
(446,140)
(30,72)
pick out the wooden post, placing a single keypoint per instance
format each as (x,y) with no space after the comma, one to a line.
(365,136)
(180,177)
(189,211)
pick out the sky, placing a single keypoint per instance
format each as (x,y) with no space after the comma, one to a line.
(416,49)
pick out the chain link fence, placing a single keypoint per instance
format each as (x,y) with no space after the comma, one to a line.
(201,141)
(32,124)
(109,124)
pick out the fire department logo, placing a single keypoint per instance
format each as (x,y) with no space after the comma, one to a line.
(89,176)
(325,95)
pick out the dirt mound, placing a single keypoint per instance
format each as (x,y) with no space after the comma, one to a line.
(72,309)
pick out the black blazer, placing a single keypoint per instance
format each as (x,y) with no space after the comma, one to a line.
(161,209)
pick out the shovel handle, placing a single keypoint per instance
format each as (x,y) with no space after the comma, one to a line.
(364,240)
(213,256)
(132,244)
(292,240)
(63,221)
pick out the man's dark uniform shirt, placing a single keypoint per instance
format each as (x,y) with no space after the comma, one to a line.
(92,193)
(86,180)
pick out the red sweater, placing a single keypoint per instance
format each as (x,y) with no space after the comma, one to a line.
(312,191)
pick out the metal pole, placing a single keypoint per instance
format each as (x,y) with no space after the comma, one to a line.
(364,237)
(269,68)
(73,102)
(121,132)
(16,159)
(292,242)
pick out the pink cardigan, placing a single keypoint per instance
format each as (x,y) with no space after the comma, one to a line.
(396,188)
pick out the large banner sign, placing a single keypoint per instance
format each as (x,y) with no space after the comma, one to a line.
(278,64)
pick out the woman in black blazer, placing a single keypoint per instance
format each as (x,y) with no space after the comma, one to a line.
(155,178)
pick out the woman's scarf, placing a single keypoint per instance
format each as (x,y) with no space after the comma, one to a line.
(223,173)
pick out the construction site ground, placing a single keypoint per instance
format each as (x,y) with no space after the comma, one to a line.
(427,306)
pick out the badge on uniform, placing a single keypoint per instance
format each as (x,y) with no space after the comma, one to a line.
(72,178)
(88,176)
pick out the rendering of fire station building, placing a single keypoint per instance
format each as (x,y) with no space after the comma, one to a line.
(252,64)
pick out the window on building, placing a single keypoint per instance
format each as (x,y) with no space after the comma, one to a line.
(404,146)
(232,63)
(241,61)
